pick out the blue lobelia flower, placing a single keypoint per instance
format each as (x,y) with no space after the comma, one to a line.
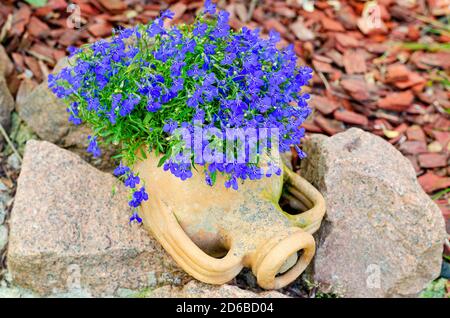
(167,14)
(153,106)
(301,153)
(93,147)
(138,197)
(121,170)
(135,217)
(249,83)
(170,126)
(210,7)
(232,182)
(200,29)
(131,181)
(128,105)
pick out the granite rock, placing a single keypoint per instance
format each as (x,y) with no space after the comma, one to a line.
(69,230)
(45,114)
(382,235)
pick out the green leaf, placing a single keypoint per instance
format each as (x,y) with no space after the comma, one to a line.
(37,3)
(440,193)
(164,158)
(415,46)
(144,155)
(214,177)
(147,118)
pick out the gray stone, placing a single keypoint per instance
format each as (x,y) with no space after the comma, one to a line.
(20,133)
(45,114)
(382,235)
(68,230)
(15,292)
(2,213)
(14,161)
(6,104)
(3,237)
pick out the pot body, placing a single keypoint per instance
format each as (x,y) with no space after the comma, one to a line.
(212,232)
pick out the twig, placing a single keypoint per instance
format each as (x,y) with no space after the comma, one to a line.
(324,80)
(6,27)
(433,22)
(251,9)
(5,135)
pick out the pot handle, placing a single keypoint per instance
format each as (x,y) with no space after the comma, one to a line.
(165,227)
(310,197)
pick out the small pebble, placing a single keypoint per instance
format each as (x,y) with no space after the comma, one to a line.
(14,162)
(2,213)
(3,237)
(2,216)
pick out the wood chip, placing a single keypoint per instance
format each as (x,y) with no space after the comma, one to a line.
(354,62)
(415,132)
(351,117)
(100,29)
(113,5)
(396,101)
(323,104)
(38,29)
(432,160)
(301,31)
(431,182)
(347,40)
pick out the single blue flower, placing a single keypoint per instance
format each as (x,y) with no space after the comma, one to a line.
(138,197)
(131,181)
(128,105)
(93,147)
(200,29)
(153,106)
(167,14)
(210,7)
(135,217)
(170,126)
(121,170)
(301,153)
(231,182)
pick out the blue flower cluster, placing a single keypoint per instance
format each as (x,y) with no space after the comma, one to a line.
(132,181)
(138,87)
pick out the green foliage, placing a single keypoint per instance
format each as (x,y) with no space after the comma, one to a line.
(37,3)
(436,289)
(433,47)
(315,288)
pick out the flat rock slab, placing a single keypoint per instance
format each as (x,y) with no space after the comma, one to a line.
(382,235)
(69,230)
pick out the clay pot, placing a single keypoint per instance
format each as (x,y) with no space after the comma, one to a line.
(213,232)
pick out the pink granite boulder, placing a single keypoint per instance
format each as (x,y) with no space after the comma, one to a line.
(383,235)
(68,229)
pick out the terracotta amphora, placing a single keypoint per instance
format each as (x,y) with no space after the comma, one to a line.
(213,232)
